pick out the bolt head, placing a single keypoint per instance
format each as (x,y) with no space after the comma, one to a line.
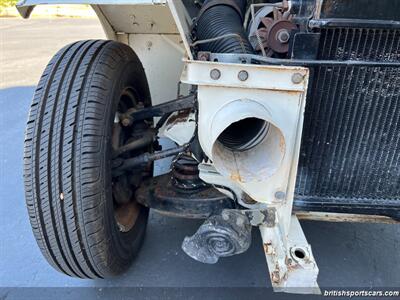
(243,75)
(280,195)
(215,74)
(283,36)
(126,122)
(204,56)
(297,78)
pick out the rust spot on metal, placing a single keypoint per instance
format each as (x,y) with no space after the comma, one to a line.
(291,265)
(248,200)
(275,277)
(282,145)
(126,215)
(268,248)
(288,92)
(236,177)
(339,217)
(285,276)
(180,117)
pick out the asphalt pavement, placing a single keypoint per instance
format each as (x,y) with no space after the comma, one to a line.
(349,255)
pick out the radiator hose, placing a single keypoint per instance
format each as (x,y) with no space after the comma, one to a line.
(222,21)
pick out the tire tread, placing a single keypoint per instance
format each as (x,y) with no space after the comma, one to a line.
(63,148)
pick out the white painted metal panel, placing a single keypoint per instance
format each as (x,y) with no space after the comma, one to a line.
(161,56)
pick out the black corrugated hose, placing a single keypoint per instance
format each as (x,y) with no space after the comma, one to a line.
(222,18)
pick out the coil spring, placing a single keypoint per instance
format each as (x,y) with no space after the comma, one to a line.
(185,173)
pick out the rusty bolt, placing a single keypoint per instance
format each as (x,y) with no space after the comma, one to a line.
(280,195)
(126,122)
(283,36)
(243,75)
(275,277)
(204,56)
(215,74)
(297,78)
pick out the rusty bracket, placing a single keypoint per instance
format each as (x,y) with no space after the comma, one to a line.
(291,264)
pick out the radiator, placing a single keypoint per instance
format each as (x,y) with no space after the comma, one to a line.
(350,153)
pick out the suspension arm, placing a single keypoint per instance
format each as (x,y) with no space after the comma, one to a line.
(120,164)
(160,109)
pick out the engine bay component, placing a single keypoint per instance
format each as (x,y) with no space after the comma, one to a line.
(270,30)
(226,35)
(179,127)
(182,193)
(160,109)
(251,133)
(219,236)
(185,173)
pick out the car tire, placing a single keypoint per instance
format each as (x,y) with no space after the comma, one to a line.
(68,159)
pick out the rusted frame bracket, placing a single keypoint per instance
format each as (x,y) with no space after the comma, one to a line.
(291,264)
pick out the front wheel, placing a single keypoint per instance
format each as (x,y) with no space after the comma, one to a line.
(86,222)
